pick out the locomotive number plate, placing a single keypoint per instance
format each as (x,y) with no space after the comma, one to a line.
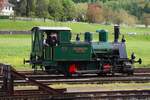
(80,50)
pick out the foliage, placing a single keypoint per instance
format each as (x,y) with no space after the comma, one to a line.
(109,11)
(31,7)
(81,11)
(108,15)
(22,8)
(4,17)
(147,7)
(69,10)
(41,8)
(122,16)
(146,19)
(134,9)
(80,1)
(94,13)
(55,9)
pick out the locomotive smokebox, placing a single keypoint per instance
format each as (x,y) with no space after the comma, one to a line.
(116,33)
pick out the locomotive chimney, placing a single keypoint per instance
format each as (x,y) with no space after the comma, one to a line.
(116,33)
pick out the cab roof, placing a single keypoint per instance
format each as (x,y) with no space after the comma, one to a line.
(52,28)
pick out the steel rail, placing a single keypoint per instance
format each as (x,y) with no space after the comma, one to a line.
(47,76)
(124,94)
(136,70)
(87,80)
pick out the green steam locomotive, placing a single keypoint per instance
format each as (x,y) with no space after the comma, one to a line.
(53,50)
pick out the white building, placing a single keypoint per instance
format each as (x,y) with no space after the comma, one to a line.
(7,9)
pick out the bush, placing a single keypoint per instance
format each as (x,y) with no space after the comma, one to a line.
(4,17)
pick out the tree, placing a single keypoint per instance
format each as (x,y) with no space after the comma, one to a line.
(146,19)
(81,1)
(30,7)
(81,10)
(55,9)
(24,7)
(87,1)
(41,9)
(94,13)
(122,17)
(69,10)
(147,7)
(107,15)
(117,17)
(19,7)
(22,11)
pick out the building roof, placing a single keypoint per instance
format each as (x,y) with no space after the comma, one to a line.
(52,28)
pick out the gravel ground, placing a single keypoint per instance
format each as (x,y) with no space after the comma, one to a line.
(93,87)
(104,87)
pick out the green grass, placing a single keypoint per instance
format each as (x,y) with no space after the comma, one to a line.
(76,27)
(14,48)
(140,44)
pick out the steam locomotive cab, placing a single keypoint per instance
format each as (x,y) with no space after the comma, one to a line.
(53,50)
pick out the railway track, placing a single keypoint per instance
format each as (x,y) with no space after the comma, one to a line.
(113,95)
(87,80)
(43,92)
(142,70)
(136,70)
(48,77)
(92,80)
(141,75)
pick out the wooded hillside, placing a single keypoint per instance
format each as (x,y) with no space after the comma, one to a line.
(127,12)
